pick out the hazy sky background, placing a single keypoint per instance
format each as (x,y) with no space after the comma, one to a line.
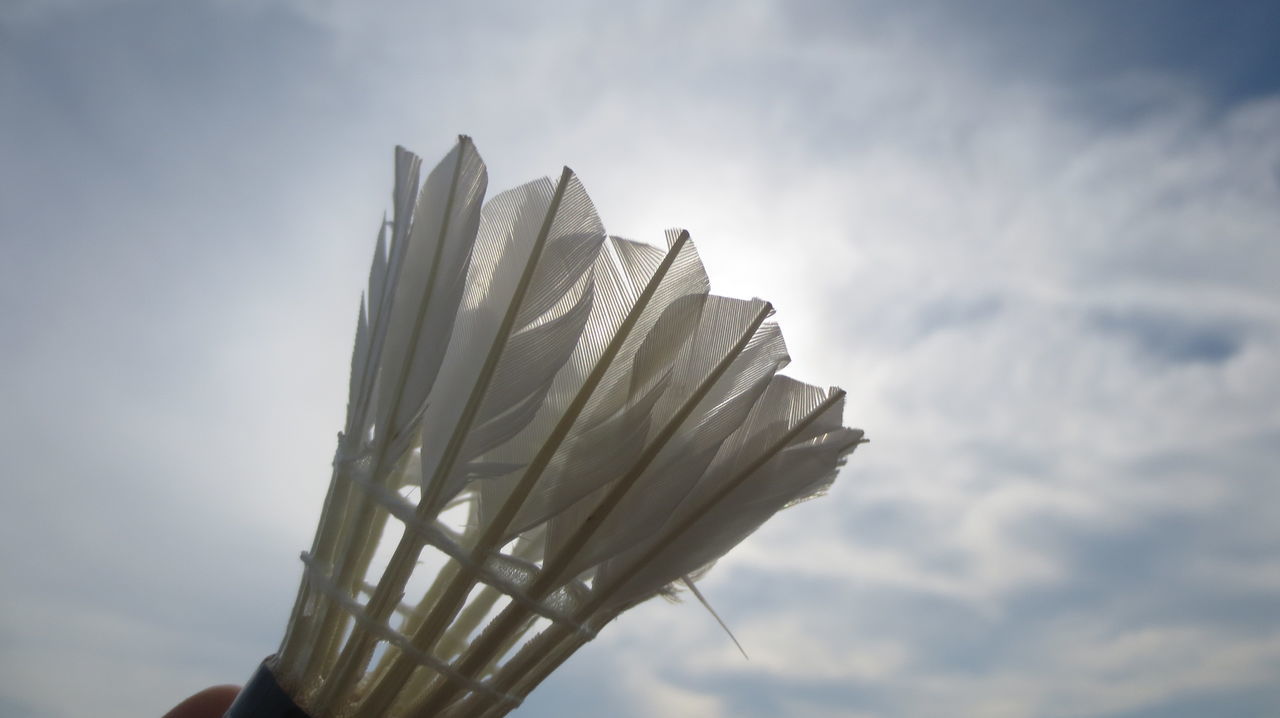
(1038,243)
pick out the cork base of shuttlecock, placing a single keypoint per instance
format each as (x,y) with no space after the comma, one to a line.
(262,697)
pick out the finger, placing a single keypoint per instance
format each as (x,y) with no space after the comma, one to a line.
(208,703)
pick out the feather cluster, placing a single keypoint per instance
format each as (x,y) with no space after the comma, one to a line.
(552,425)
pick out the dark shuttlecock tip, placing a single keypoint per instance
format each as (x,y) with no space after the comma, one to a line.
(262,697)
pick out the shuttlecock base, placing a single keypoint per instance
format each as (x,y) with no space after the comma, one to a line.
(262,697)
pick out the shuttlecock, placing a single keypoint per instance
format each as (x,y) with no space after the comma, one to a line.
(546,426)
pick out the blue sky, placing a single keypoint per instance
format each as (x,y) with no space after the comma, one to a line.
(1037,242)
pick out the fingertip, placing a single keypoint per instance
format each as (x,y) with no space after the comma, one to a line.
(209,703)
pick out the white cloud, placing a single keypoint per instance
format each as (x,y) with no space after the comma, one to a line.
(1085,669)
(647,695)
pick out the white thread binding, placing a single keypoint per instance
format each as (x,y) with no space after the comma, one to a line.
(437,536)
(321,580)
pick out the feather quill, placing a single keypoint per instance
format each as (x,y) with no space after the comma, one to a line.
(688,583)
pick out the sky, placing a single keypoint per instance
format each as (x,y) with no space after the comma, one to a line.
(1036,242)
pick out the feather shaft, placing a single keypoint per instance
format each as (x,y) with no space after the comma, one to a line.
(693,588)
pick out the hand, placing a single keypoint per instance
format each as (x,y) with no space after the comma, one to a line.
(208,703)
